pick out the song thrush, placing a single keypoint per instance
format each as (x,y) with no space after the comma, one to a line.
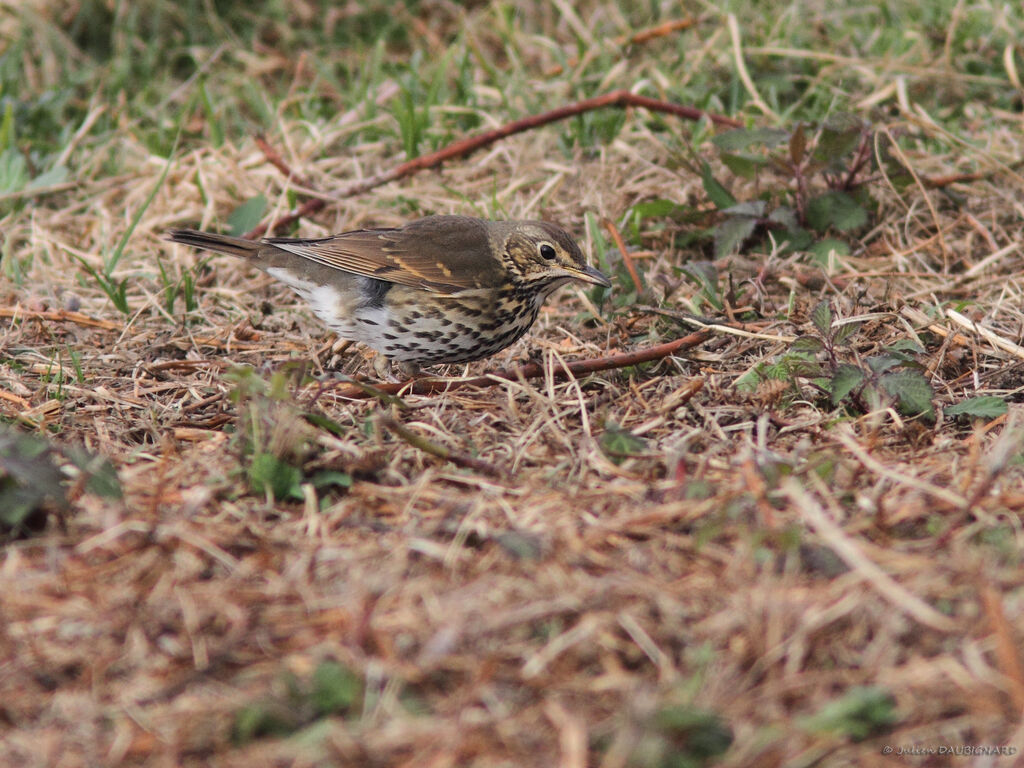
(443,289)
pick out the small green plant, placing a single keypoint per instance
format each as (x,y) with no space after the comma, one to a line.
(116,290)
(704,274)
(31,162)
(865,385)
(213,122)
(860,713)
(412,106)
(276,436)
(274,440)
(76,363)
(58,374)
(184,286)
(682,737)
(649,212)
(332,690)
(31,484)
(986,407)
(822,168)
(592,129)
(37,477)
(619,444)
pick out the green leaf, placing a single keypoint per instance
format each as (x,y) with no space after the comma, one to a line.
(846,378)
(797,239)
(744,166)
(246,217)
(100,474)
(212,121)
(706,276)
(13,170)
(790,365)
(330,425)
(267,472)
(695,735)
(822,250)
(265,719)
(821,317)
(7,135)
(840,135)
(986,407)
(56,175)
(882,363)
(329,478)
(811,344)
(655,209)
(619,444)
(30,482)
(785,216)
(732,233)
(110,263)
(912,391)
(247,381)
(750,380)
(809,369)
(335,688)
(835,209)
(755,208)
(845,331)
(860,713)
(649,209)
(906,345)
(717,194)
(521,545)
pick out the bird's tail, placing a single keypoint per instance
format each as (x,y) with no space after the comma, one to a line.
(235,246)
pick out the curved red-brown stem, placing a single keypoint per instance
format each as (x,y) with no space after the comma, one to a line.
(471,144)
(427,385)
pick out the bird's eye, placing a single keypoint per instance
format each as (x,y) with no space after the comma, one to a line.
(547,251)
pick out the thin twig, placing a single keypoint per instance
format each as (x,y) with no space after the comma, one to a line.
(274,158)
(446,454)
(16,399)
(626,258)
(471,144)
(861,159)
(60,315)
(736,328)
(426,386)
(661,30)
(937,182)
(991,337)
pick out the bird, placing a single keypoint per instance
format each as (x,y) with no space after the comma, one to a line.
(438,290)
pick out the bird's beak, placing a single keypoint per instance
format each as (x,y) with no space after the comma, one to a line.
(590,275)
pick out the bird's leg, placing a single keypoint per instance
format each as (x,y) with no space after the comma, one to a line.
(389,370)
(382,367)
(409,370)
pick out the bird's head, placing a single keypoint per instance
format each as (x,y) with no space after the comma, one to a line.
(543,256)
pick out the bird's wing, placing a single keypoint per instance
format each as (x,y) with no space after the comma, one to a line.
(444,254)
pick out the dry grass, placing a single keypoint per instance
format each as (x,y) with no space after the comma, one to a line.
(760,557)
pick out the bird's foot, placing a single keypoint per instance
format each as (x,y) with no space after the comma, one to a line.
(389,370)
